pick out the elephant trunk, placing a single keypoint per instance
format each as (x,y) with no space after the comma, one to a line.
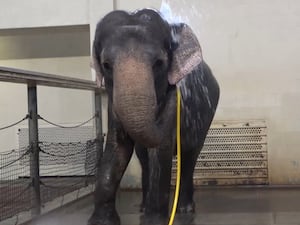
(134,100)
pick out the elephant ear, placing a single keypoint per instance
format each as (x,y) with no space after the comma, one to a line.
(186,56)
(95,65)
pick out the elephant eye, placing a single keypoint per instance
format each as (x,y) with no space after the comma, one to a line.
(107,67)
(158,64)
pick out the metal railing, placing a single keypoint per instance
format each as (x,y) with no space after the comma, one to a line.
(36,185)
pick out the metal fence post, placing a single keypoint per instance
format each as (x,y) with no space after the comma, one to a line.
(98,121)
(34,144)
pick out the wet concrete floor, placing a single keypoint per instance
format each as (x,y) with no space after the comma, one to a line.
(214,206)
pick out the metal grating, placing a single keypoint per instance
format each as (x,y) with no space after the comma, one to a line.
(234,153)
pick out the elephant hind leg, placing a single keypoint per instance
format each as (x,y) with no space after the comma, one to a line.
(157,202)
(189,157)
(186,203)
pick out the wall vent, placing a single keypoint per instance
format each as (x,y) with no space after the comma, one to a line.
(234,153)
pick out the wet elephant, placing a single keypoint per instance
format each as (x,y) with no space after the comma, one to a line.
(142,59)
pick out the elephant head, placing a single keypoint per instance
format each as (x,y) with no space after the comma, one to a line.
(141,58)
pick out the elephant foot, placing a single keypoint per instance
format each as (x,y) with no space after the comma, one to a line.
(105,217)
(154,219)
(185,219)
(186,208)
(104,221)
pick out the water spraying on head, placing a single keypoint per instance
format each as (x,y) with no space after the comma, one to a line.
(169,15)
(180,11)
(172,15)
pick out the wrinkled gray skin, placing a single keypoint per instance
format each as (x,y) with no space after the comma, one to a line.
(134,54)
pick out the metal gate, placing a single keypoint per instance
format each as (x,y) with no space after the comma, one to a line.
(234,153)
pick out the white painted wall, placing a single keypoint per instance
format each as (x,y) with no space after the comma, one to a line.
(63,106)
(43,13)
(252,47)
(54,50)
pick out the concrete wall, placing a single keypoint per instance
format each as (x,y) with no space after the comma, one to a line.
(251,46)
(253,49)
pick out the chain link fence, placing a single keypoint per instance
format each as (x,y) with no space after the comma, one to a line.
(14,187)
(67,164)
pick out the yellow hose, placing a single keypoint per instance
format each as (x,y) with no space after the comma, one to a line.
(178,160)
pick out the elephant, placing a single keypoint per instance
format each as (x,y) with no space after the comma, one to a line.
(141,59)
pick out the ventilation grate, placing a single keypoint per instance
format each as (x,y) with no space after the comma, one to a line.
(234,153)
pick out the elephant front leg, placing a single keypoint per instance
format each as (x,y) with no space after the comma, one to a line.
(157,202)
(111,169)
(142,155)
